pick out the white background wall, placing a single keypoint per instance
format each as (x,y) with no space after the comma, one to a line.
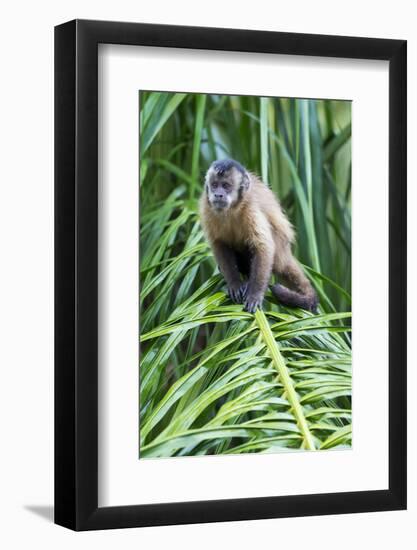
(26,287)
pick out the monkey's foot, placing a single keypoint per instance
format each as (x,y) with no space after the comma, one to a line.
(291,298)
(252,303)
(314,302)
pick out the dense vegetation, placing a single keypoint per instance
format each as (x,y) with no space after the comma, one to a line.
(213,378)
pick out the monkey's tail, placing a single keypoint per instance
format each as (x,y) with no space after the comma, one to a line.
(292,298)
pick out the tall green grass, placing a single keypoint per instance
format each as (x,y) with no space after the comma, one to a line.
(213,378)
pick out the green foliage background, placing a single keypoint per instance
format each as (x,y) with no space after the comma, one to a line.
(213,378)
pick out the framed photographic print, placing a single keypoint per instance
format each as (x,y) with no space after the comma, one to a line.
(230,248)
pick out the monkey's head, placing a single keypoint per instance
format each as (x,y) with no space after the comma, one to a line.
(226,183)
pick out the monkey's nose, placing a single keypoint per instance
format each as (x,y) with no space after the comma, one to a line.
(219,195)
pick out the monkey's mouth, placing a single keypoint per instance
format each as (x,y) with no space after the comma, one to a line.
(220,204)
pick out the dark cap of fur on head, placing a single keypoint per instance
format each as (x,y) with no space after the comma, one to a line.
(223,166)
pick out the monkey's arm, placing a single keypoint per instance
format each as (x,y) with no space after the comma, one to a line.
(226,260)
(260,275)
(262,246)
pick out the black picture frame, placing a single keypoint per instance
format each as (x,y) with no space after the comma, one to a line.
(76,272)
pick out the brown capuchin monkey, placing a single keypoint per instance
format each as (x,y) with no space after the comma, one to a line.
(251,238)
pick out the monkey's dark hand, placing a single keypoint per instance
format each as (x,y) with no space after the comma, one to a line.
(234,293)
(237,293)
(252,302)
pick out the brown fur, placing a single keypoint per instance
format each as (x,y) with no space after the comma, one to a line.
(256,225)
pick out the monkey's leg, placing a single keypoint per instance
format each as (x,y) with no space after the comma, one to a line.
(226,260)
(259,277)
(301,293)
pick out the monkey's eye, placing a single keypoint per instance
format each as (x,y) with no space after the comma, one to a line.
(214,185)
(227,186)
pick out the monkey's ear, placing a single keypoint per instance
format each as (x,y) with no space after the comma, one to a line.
(208,175)
(245,181)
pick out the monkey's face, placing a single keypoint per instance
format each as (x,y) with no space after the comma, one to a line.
(224,188)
